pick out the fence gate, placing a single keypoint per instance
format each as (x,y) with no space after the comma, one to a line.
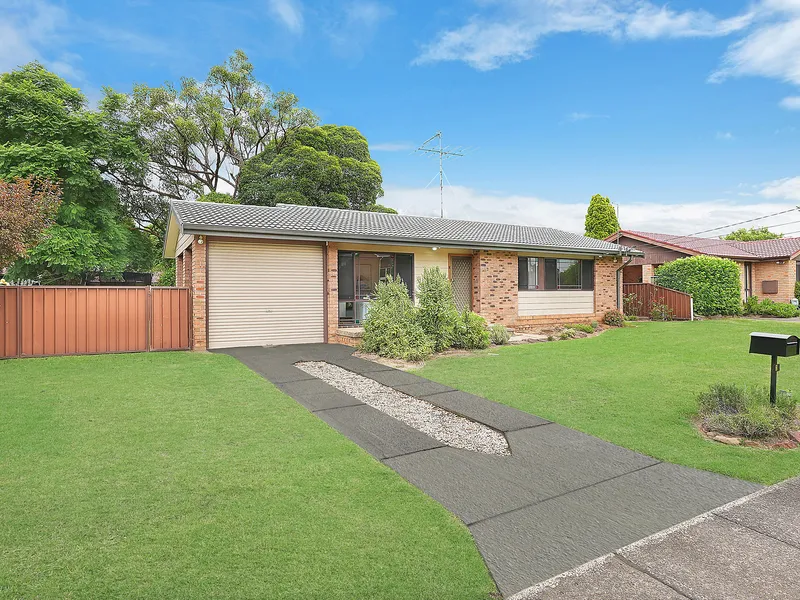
(60,320)
(640,298)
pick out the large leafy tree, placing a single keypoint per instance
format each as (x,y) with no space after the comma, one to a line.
(27,208)
(318,166)
(193,139)
(753,234)
(47,132)
(601,218)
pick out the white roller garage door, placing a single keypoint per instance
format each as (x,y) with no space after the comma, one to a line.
(261,294)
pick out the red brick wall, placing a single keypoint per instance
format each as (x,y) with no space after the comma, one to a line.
(197,277)
(332,284)
(179,270)
(784,274)
(495,296)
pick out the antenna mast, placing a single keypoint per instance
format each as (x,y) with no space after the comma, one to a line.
(443,153)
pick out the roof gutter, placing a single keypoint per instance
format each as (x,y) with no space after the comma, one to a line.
(250,232)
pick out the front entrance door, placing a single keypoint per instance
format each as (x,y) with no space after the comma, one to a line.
(748,280)
(461,279)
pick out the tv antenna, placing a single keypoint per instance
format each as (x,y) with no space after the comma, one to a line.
(443,152)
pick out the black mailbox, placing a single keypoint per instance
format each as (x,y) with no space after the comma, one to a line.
(774,344)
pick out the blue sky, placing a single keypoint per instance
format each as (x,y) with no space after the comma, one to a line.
(686,114)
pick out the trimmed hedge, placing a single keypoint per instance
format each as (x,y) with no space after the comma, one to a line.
(713,282)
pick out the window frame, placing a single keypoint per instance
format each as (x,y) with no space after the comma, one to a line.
(549,274)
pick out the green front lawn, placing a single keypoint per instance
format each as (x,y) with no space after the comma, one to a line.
(188,476)
(636,387)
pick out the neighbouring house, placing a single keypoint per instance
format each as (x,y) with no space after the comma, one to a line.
(769,268)
(297,274)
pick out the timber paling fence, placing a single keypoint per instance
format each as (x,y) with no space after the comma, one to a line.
(61,320)
(648,294)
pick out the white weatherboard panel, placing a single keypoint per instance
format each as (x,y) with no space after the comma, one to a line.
(263,293)
(555,302)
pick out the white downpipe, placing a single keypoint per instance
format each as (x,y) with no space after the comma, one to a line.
(691,308)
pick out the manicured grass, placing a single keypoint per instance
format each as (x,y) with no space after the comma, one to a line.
(636,387)
(187,476)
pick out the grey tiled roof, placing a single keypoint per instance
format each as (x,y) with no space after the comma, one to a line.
(330,223)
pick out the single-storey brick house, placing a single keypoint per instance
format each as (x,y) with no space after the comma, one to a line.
(769,268)
(292,274)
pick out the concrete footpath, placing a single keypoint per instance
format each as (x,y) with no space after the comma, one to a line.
(749,549)
(561,499)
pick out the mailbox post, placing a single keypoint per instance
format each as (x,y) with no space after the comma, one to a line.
(774,345)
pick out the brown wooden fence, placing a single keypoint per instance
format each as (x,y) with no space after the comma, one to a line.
(50,321)
(640,298)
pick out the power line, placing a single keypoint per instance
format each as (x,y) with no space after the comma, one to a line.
(783,212)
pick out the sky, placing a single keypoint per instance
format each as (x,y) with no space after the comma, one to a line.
(686,114)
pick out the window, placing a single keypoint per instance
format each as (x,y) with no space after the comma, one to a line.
(360,272)
(568,274)
(555,274)
(528,273)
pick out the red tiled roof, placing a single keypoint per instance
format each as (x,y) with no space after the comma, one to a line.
(759,250)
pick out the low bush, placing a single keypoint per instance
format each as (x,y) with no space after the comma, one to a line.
(769,308)
(734,410)
(782,310)
(568,334)
(714,283)
(614,318)
(437,309)
(750,306)
(580,327)
(391,328)
(470,332)
(661,312)
(499,335)
(631,318)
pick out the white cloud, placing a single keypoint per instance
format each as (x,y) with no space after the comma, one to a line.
(354,25)
(466,203)
(725,136)
(288,12)
(42,30)
(574,117)
(785,189)
(392,146)
(510,29)
(791,103)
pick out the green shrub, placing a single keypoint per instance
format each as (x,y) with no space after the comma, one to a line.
(614,318)
(734,410)
(595,325)
(631,318)
(580,327)
(567,334)
(470,332)
(769,308)
(499,335)
(661,312)
(391,328)
(713,282)
(750,306)
(437,311)
(167,277)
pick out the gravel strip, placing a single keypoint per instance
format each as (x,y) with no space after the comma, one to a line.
(436,422)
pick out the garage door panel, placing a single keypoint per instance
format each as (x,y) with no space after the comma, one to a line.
(262,294)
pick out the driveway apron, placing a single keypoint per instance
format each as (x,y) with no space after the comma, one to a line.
(561,498)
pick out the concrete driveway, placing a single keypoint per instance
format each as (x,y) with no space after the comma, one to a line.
(561,499)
